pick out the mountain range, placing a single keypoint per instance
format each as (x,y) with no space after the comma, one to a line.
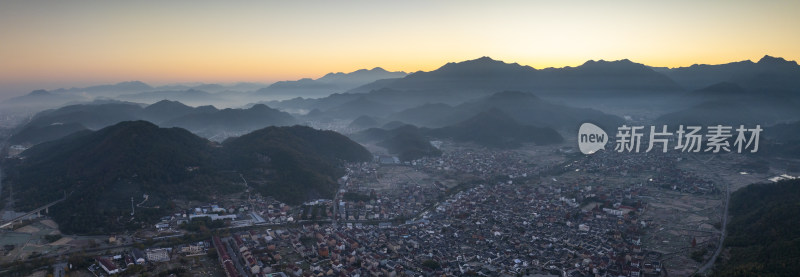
(328,84)
(455,83)
(769,73)
(197,94)
(207,121)
(487,75)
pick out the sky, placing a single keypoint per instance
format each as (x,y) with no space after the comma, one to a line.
(52,44)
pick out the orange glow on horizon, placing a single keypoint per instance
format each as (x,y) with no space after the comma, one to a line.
(61,43)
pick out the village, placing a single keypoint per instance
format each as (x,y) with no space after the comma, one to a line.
(471,211)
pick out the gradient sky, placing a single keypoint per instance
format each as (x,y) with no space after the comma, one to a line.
(51,44)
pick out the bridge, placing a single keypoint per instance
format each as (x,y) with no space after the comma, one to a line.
(37,211)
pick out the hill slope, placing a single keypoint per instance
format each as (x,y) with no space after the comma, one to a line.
(494,128)
(105,168)
(303,161)
(763,234)
(407,142)
(523,107)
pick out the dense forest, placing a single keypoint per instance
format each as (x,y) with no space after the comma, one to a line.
(302,162)
(763,233)
(102,171)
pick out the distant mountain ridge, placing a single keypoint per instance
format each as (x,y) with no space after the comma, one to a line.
(232,120)
(769,73)
(487,74)
(340,81)
(121,86)
(204,120)
(523,107)
(330,83)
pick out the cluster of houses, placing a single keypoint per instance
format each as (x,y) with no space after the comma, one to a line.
(255,211)
(481,163)
(574,227)
(663,165)
(499,229)
(403,200)
(120,262)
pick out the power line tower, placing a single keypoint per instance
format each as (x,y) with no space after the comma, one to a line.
(132,209)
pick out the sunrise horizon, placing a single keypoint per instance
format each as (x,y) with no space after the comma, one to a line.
(55,84)
(85,43)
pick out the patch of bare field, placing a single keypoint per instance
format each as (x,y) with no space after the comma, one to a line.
(49,223)
(544,154)
(677,219)
(27,229)
(725,169)
(62,241)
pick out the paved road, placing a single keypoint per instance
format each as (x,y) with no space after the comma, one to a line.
(58,270)
(710,263)
(235,256)
(28,214)
(713,259)
(335,215)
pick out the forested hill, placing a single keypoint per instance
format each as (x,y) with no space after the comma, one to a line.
(304,161)
(105,168)
(764,231)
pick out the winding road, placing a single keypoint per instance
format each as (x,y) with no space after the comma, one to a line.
(713,259)
(710,263)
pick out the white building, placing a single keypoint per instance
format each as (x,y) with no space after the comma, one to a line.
(157,255)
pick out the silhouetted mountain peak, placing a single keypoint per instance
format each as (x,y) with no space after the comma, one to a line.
(480,68)
(136,125)
(133,85)
(601,61)
(357,72)
(618,65)
(167,104)
(770,60)
(127,133)
(207,108)
(337,81)
(484,61)
(258,107)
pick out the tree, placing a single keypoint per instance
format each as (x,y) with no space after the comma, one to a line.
(431,264)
